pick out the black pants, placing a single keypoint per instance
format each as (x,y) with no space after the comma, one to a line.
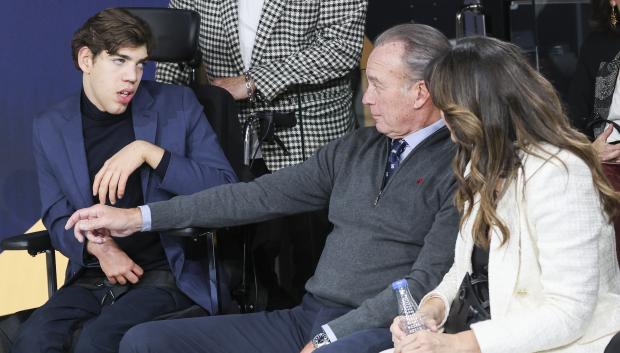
(50,328)
(281,331)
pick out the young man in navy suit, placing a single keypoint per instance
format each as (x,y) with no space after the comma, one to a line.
(123,143)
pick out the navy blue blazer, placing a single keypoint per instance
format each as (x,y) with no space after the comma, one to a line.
(165,115)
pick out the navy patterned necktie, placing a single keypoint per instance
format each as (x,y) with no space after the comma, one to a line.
(398,146)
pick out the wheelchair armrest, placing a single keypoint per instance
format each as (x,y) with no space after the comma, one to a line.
(35,243)
(201,243)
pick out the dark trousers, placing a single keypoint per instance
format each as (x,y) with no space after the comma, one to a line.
(285,331)
(50,328)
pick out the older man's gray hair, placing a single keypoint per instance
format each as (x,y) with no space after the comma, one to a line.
(422,44)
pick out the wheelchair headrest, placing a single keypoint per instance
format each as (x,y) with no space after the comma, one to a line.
(175,33)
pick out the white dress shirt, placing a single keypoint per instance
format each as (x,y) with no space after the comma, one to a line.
(614,112)
(249,16)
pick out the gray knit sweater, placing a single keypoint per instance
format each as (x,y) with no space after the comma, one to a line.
(406,231)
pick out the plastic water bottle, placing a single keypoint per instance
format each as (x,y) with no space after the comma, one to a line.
(407,308)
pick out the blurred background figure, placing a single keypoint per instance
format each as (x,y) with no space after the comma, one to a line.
(594,96)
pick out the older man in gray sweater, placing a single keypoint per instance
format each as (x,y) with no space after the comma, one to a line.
(389,190)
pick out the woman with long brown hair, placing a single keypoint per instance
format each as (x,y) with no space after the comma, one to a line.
(535,267)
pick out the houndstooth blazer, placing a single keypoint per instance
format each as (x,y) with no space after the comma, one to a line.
(302,46)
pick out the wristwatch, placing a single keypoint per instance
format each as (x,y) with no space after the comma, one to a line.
(320,340)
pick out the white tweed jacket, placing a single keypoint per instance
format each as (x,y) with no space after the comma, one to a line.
(555,285)
(306,46)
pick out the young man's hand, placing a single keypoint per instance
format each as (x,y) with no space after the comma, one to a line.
(115,263)
(111,179)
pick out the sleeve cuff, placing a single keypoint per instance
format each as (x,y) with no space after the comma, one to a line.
(330,334)
(145,211)
(162,167)
(446,305)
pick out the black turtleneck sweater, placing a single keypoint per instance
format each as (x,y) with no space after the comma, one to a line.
(104,135)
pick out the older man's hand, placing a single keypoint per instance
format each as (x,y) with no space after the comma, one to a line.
(98,221)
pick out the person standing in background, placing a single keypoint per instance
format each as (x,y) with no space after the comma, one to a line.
(593,94)
(594,97)
(274,55)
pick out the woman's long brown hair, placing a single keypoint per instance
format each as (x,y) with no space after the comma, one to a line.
(496,104)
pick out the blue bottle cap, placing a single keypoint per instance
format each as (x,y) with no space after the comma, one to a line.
(400,284)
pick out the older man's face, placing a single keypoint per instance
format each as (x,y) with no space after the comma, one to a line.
(391,92)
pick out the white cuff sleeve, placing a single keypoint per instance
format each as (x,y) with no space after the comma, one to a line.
(146,218)
(330,334)
(446,304)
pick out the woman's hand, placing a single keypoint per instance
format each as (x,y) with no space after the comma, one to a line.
(433,342)
(431,313)
(397,332)
(399,325)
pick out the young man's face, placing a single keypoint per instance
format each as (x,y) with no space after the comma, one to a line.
(110,81)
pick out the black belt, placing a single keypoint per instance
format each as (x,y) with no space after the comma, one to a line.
(155,278)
